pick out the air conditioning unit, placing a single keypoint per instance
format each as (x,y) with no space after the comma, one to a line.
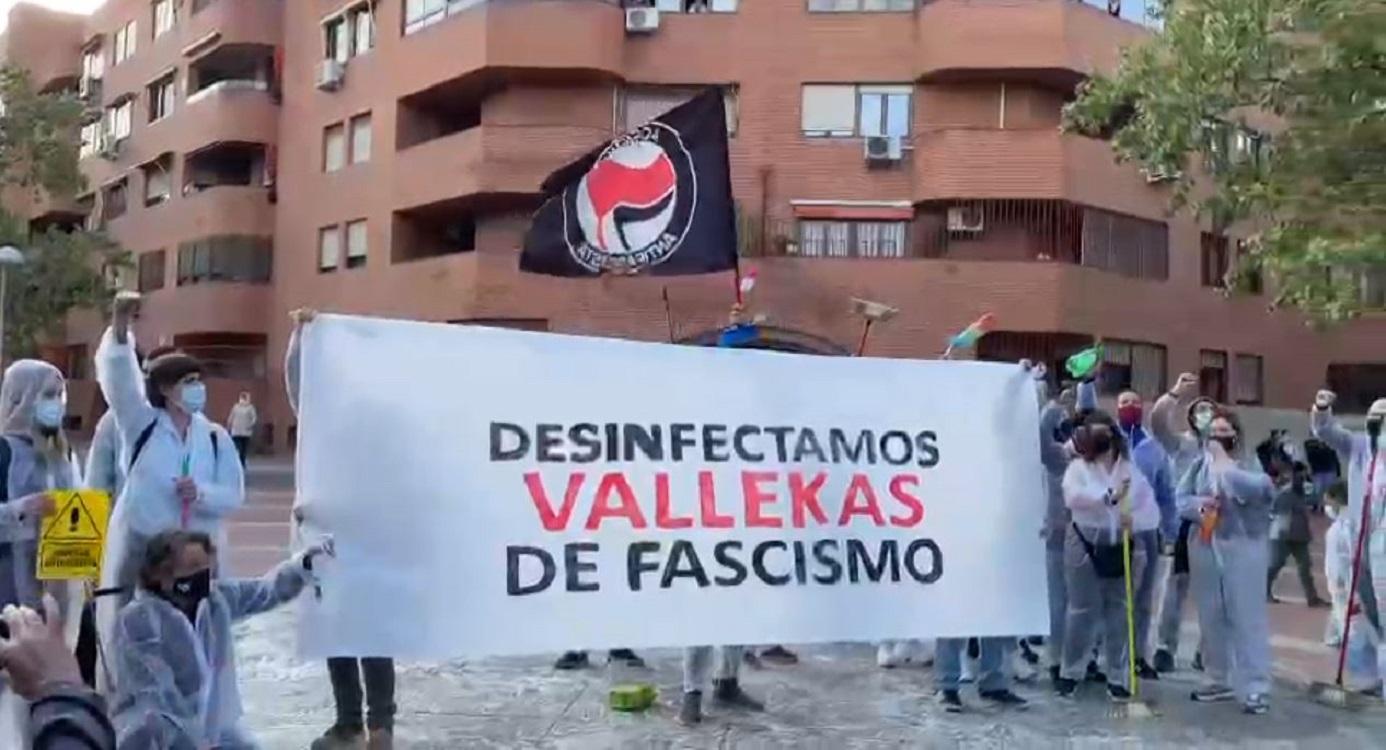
(331,75)
(113,148)
(884,148)
(965,219)
(642,20)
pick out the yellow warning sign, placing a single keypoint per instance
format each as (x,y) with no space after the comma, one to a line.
(71,540)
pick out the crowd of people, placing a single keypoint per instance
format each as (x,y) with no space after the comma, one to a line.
(1140,513)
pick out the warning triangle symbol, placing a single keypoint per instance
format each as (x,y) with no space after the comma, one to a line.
(73,522)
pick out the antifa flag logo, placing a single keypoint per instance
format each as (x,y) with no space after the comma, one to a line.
(655,199)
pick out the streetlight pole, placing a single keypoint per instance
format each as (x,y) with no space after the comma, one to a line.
(9,256)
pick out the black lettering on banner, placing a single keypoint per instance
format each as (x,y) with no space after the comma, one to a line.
(897,436)
(613,441)
(722,552)
(636,564)
(575,566)
(800,564)
(549,437)
(781,449)
(715,443)
(693,568)
(758,563)
(499,431)
(830,562)
(648,441)
(858,556)
(739,441)
(935,565)
(513,554)
(924,444)
(866,443)
(680,439)
(586,437)
(808,445)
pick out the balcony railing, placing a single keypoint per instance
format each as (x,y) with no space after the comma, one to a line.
(422,15)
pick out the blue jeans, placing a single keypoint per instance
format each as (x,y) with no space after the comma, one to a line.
(991,667)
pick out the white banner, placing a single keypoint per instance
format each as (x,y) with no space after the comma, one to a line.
(501,492)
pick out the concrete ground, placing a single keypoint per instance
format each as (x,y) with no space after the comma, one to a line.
(835,698)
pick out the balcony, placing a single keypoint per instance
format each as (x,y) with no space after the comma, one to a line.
(240,308)
(230,111)
(231,22)
(1060,40)
(488,159)
(986,163)
(579,36)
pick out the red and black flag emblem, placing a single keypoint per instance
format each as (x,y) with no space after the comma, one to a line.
(657,200)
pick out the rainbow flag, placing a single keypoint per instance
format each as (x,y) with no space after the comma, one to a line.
(969,336)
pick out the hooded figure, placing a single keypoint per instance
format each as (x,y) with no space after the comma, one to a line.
(182,471)
(174,650)
(1366,475)
(34,459)
(1229,500)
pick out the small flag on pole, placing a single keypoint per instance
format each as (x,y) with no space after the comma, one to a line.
(969,335)
(748,281)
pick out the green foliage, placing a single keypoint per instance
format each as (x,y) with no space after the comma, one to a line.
(38,136)
(1316,197)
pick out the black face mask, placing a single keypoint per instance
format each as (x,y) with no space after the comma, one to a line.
(189,591)
(1229,443)
(1374,426)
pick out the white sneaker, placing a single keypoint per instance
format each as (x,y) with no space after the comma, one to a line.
(1021,669)
(903,652)
(969,669)
(886,655)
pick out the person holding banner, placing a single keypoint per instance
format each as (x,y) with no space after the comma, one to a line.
(182,472)
(1230,502)
(1108,497)
(175,654)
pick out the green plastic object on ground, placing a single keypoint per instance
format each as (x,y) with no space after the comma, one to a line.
(632,698)
(1082,364)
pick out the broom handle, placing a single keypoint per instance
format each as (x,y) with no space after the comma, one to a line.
(1130,614)
(1357,565)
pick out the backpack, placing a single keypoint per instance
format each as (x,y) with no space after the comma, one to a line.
(140,442)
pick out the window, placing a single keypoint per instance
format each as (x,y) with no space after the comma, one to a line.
(638,105)
(234,258)
(848,110)
(695,6)
(420,14)
(1132,247)
(93,139)
(158,182)
(1212,375)
(361,139)
(1248,278)
(333,148)
(356,244)
(124,47)
(329,248)
(163,17)
(1214,259)
(349,33)
(161,97)
(363,30)
(93,68)
(152,271)
(859,6)
(113,198)
(1249,386)
(851,239)
(118,120)
(1132,366)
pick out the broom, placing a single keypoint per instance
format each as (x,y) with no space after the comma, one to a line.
(1134,708)
(1336,694)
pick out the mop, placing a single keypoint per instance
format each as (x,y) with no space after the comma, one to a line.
(1337,694)
(1134,708)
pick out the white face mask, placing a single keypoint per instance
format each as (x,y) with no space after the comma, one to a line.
(1332,512)
(49,412)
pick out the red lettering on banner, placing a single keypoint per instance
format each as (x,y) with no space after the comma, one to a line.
(664,517)
(803,498)
(756,497)
(614,483)
(553,521)
(905,498)
(860,487)
(707,499)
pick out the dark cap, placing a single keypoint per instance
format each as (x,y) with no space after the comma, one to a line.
(165,370)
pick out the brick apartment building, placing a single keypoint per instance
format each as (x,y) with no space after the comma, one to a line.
(382,157)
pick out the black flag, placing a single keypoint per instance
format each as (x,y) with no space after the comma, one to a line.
(657,199)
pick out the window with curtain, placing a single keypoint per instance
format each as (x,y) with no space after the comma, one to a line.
(334,148)
(1134,366)
(884,110)
(1248,377)
(151,271)
(161,97)
(829,110)
(361,138)
(163,17)
(125,44)
(851,239)
(842,110)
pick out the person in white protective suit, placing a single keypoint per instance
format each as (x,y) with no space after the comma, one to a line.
(1337,561)
(1366,477)
(182,471)
(106,457)
(1229,552)
(174,650)
(34,459)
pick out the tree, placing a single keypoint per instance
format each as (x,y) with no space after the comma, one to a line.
(1313,191)
(63,271)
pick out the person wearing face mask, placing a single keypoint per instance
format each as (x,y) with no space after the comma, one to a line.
(1229,500)
(174,650)
(1107,495)
(242,423)
(1180,432)
(1366,480)
(182,471)
(1150,458)
(106,456)
(1337,561)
